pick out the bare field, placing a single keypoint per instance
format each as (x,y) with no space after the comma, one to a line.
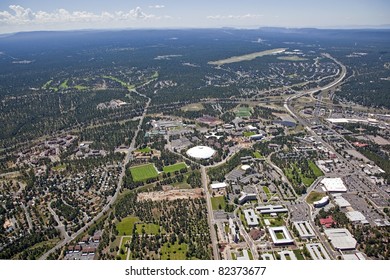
(171,194)
(246,57)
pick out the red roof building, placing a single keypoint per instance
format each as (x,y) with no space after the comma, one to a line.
(327,222)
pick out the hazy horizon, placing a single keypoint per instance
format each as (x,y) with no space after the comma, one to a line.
(39,15)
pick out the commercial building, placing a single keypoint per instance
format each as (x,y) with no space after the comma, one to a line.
(280,235)
(245,197)
(341,238)
(217,186)
(201,152)
(271,209)
(334,185)
(317,251)
(304,229)
(322,202)
(356,217)
(251,218)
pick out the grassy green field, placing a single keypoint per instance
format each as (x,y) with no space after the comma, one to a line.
(299,254)
(174,167)
(81,87)
(64,84)
(243,112)
(124,241)
(314,196)
(257,154)
(149,228)
(126,225)
(218,200)
(248,133)
(317,172)
(174,252)
(143,172)
(145,150)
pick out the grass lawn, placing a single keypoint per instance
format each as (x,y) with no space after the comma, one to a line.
(80,87)
(125,227)
(248,133)
(243,112)
(276,222)
(173,252)
(314,196)
(145,150)
(298,254)
(218,200)
(64,84)
(317,172)
(143,172)
(124,241)
(257,154)
(181,185)
(149,228)
(174,167)
(280,235)
(59,167)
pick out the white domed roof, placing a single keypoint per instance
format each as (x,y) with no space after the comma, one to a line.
(201,152)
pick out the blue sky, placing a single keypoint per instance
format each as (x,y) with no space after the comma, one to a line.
(26,15)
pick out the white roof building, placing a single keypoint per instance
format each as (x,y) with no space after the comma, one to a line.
(317,251)
(280,240)
(201,152)
(334,185)
(217,186)
(304,229)
(341,238)
(251,218)
(356,216)
(341,201)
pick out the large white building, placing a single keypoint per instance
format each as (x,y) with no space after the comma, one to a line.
(341,238)
(280,235)
(334,185)
(201,152)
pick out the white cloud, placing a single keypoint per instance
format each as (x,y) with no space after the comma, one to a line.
(19,15)
(236,17)
(156,6)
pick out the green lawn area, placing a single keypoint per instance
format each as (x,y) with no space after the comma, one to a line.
(317,172)
(181,185)
(145,150)
(124,84)
(193,107)
(278,222)
(80,87)
(125,227)
(280,235)
(173,252)
(243,112)
(59,167)
(314,196)
(298,254)
(124,240)
(257,154)
(64,84)
(174,167)
(149,228)
(143,172)
(218,200)
(248,133)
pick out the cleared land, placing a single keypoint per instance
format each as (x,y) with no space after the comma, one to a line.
(292,58)
(171,194)
(174,167)
(246,57)
(143,172)
(145,150)
(193,107)
(314,196)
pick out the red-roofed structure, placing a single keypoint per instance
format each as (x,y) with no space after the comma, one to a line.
(359,144)
(327,222)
